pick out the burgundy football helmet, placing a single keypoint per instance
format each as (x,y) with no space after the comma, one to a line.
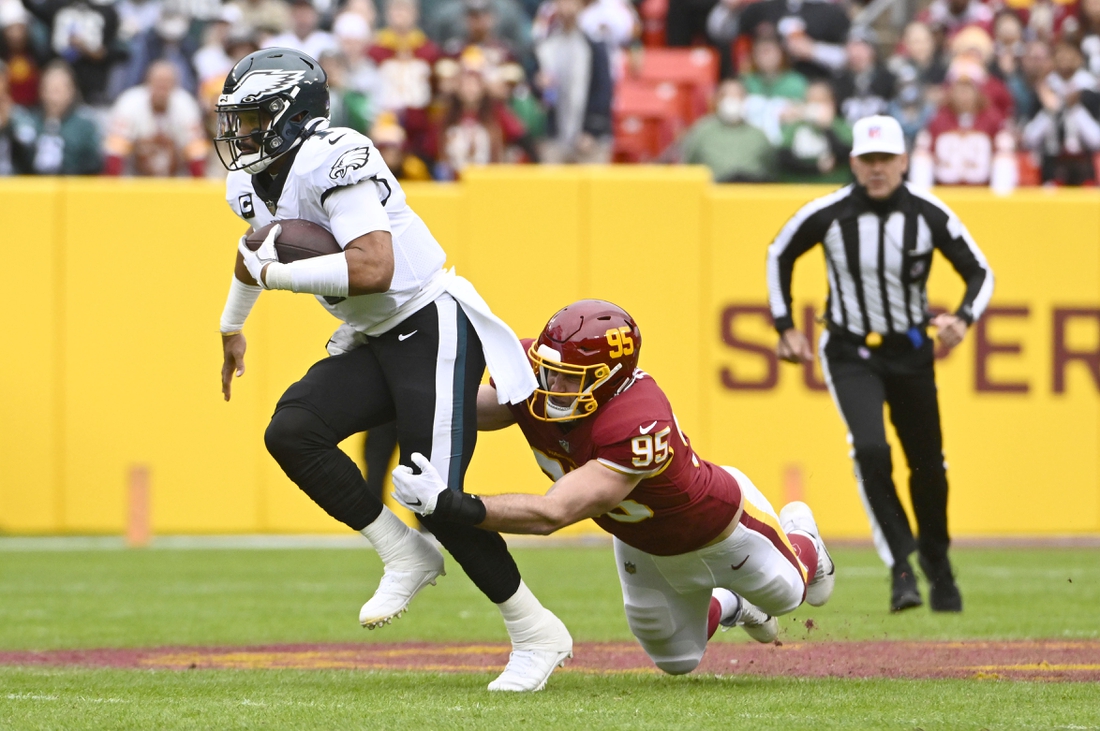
(594,345)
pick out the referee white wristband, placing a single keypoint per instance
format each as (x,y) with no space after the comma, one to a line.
(326,276)
(238,304)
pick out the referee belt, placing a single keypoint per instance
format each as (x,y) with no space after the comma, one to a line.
(914,338)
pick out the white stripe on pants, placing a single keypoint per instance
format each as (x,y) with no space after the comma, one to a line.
(445,385)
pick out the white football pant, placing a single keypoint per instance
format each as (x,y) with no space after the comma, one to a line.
(667,597)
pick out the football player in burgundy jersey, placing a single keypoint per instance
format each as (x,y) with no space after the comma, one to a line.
(696,544)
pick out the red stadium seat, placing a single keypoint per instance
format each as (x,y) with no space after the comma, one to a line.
(693,70)
(646,120)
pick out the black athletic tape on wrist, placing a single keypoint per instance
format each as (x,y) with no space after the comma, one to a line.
(459,507)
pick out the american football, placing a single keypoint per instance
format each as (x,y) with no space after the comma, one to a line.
(299,239)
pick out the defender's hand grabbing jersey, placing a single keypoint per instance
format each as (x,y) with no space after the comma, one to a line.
(682,501)
(337,179)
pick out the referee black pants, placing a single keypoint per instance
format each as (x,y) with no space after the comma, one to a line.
(424,374)
(902,376)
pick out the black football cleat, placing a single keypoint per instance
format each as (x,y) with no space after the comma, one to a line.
(943,594)
(904,594)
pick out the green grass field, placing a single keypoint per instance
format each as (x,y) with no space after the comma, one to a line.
(105,598)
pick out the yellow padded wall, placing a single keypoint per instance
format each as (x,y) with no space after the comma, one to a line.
(111,353)
(31,462)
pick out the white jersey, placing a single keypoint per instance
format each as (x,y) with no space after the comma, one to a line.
(330,160)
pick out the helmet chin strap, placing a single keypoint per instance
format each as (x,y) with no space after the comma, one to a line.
(259,165)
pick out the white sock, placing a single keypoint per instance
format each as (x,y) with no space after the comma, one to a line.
(389,536)
(526,621)
(727,600)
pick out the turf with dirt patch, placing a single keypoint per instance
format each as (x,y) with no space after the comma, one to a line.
(300,608)
(1035,660)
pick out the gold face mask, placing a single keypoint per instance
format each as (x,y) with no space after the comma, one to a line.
(564,391)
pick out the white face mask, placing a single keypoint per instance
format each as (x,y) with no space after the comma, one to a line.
(819,113)
(172,28)
(730,110)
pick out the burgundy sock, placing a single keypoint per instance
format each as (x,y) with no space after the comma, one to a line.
(806,551)
(714,615)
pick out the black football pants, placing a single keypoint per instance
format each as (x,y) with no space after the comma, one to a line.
(861,380)
(378,451)
(425,375)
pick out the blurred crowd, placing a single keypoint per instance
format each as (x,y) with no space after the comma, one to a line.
(997,93)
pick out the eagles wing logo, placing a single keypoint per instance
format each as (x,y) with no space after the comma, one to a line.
(350,160)
(265,82)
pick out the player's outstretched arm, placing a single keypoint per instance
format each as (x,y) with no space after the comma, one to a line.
(587,492)
(492,415)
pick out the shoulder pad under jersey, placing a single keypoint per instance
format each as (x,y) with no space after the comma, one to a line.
(336,157)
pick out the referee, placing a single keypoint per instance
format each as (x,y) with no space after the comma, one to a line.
(879,236)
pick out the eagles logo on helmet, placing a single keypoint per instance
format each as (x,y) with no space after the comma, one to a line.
(266,106)
(593,344)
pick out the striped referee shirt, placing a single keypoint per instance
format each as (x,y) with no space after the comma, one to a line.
(877,254)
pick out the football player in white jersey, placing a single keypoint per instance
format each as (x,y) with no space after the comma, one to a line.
(414,343)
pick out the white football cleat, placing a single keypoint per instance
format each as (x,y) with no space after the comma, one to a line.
(757,623)
(401,581)
(530,664)
(797,516)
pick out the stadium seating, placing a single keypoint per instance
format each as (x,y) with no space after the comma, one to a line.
(659,98)
(694,71)
(646,119)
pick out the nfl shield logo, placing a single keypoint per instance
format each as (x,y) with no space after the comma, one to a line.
(564,445)
(874,132)
(630,567)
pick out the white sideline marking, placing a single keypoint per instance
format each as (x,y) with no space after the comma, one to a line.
(30,697)
(36,697)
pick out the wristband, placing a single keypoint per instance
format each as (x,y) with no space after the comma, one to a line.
(459,507)
(237,305)
(326,276)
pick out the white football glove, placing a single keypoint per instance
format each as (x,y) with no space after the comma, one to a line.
(255,261)
(418,493)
